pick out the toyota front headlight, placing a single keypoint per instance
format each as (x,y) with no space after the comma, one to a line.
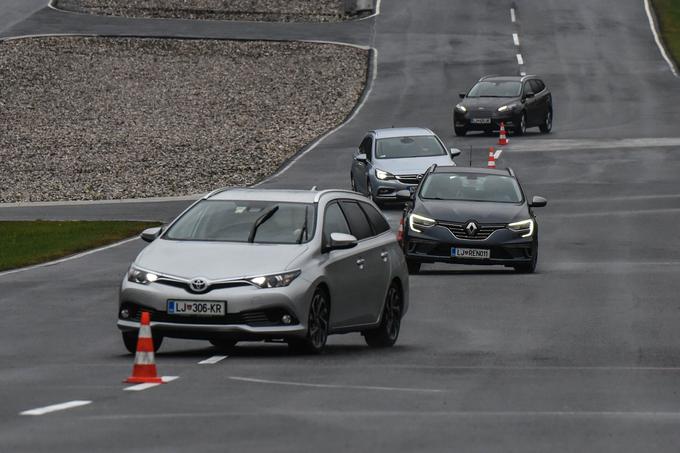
(275,280)
(526,227)
(141,276)
(416,221)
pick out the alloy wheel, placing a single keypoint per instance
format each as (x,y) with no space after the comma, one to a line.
(318,321)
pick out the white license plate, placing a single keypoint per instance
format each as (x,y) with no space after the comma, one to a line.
(481,121)
(470,253)
(196,308)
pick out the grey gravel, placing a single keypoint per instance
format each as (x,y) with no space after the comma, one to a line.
(258,10)
(107,118)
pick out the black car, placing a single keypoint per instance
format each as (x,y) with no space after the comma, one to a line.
(470,216)
(519,102)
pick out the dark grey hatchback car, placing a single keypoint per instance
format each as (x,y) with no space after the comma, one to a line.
(470,216)
(518,102)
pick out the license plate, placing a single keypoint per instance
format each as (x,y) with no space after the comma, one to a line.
(470,253)
(196,308)
(481,121)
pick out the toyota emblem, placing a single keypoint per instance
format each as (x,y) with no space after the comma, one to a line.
(198,285)
(471,228)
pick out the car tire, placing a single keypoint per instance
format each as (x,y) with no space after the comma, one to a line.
(546,126)
(530,267)
(460,131)
(318,326)
(386,334)
(130,341)
(521,129)
(223,345)
(413,267)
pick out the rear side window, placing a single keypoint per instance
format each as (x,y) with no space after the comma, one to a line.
(377,220)
(366,147)
(334,222)
(536,86)
(358,223)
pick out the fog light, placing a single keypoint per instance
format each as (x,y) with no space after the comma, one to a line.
(124,313)
(286,319)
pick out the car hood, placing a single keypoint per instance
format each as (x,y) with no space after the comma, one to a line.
(487,103)
(411,165)
(462,211)
(217,260)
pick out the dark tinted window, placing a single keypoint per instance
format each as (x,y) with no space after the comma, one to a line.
(527,88)
(471,187)
(358,223)
(495,89)
(366,147)
(536,86)
(377,220)
(403,147)
(334,222)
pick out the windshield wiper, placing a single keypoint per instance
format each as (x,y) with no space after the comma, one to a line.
(304,228)
(263,218)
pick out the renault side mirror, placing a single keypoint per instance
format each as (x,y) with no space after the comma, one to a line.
(538,202)
(404,195)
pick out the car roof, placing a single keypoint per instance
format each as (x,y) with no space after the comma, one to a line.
(502,78)
(282,195)
(475,170)
(402,132)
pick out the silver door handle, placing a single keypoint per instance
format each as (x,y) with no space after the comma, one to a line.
(385,256)
(361,262)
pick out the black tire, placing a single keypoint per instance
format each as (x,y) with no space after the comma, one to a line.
(413,267)
(521,129)
(386,334)
(530,267)
(223,345)
(318,326)
(460,131)
(130,341)
(546,126)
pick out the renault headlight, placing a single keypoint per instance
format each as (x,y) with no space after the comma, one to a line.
(525,226)
(275,280)
(461,108)
(416,221)
(383,175)
(140,276)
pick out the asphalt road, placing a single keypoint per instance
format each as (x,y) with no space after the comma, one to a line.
(582,356)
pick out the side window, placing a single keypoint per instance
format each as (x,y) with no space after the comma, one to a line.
(367,146)
(358,223)
(334,222)
(527,88)
(377,220)
(536,86)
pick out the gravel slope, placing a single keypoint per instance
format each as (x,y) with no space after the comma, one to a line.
(98,118)
(263,10)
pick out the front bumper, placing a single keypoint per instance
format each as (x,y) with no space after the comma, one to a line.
(252,313)
(386,189)
(434,245)
(466,120)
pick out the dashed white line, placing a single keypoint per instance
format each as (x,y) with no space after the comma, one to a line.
(520,60)
(515,39)
(140,387)
(497,154)
(513,17)
(333,386)
(212,360)
(56,407)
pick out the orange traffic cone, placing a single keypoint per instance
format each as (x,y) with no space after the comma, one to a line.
(503,138)
(144,369)
(400,231)
(492,158)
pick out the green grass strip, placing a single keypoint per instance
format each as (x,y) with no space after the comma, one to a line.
(668,14)
(32,242)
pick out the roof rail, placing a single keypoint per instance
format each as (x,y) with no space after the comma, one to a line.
(489,75)
(321,193)
(216,191)
(511,172)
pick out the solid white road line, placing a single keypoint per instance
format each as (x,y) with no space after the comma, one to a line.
(520,60)
(657,39)
(56,407)
(497,154)
(515,39)
(140,387)
(334,386)
(513,18)
(213,360)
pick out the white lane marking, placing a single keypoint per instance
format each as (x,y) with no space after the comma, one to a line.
(140,387)
(549,215)
(56,407)
(515,39)
(520,60)
(497,154)
(213,360)
(513,17)
(69,258)
(334,386)
(657,38)
(586,144)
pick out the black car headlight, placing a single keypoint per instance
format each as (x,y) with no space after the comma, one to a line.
(140,276)
(417,222)
(525,227)
(275,280)
(461,108)
(508,107)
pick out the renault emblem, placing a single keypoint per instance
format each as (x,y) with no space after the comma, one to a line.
(471,228)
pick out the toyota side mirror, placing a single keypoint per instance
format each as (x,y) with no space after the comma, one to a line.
(462,95)
(341,241)
(455,152)
(150,234)
(538,202)
(361,158)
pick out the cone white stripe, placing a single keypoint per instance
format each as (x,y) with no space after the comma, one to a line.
(144,358)
(144,331)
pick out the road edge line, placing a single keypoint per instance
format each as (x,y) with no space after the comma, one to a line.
(653,24)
